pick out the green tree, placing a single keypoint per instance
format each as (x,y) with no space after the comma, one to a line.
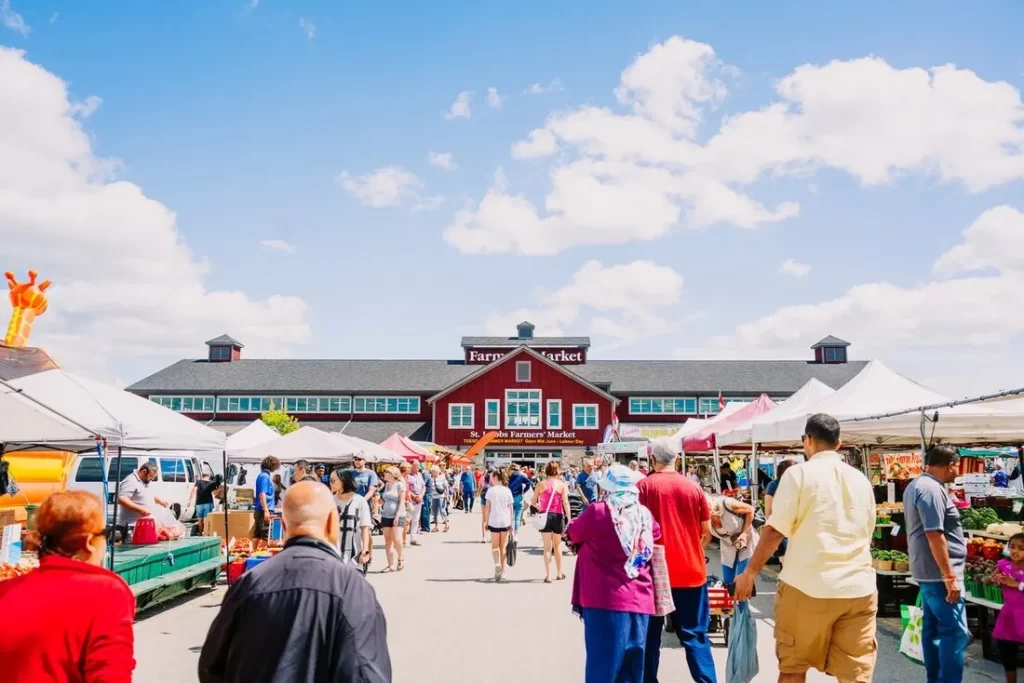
(279,420)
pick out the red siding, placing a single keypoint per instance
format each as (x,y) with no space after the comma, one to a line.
(552,383)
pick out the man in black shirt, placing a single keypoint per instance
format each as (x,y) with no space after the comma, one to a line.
(302,615)
(205,490)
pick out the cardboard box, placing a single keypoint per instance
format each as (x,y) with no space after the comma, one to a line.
(239,523)
(8,516)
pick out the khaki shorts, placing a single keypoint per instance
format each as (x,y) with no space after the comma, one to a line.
(833,635)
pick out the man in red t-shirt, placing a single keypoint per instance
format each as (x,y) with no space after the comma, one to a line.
(679,506)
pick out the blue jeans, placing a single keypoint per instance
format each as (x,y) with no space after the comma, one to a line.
(944,634)
(615,644)
(468,497)
(517,510)
(690,621)
(425,513)
(729,574)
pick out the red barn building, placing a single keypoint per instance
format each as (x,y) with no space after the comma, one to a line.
(543,395)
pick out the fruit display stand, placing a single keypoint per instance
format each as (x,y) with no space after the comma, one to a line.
(163,571)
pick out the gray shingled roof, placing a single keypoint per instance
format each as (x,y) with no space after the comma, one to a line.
(431,376)
(532,341)
(371,431)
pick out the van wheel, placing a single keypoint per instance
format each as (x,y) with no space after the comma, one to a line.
(176,508)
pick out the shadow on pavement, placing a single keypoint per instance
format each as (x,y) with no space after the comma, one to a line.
(485,581)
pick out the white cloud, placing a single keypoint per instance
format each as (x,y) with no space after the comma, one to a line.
(86,107)
(494,99)
(861,116)
(462,106)
(62,212)
(389,186)
(795,268)
(969,316)
(443,160)
(278,245)
(12,19)
(540,89)
(53,17)
(627,303)
(308,27)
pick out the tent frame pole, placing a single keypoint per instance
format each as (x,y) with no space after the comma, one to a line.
(224,500)
(718,470)
(117,504)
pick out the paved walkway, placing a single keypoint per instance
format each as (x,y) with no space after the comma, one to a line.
(448,621)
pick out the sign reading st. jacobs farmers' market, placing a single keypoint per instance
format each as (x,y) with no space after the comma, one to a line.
(483,356)
(538,437)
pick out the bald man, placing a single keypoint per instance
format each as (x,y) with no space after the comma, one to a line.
(302,615)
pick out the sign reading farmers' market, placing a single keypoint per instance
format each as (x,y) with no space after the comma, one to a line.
(537,437)
(483,356)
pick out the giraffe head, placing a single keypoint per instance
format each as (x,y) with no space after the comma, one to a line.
(28,295)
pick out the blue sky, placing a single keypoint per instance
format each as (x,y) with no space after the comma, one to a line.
(239,117)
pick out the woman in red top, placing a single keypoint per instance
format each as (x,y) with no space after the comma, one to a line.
(74,618)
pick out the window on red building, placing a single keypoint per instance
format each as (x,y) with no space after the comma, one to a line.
(522,371)
(522,409)
(460,416)
(554,413)
(584,416)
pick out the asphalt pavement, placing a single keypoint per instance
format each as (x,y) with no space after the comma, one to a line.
(448,621)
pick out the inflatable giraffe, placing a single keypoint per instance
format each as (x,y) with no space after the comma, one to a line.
(28,301)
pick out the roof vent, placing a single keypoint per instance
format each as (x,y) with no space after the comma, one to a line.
(524,330)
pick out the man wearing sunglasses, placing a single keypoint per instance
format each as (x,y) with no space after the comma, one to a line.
(827,598)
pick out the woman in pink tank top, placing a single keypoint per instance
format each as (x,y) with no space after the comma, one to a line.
(553,505)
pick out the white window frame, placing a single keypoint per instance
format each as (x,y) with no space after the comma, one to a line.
(540,413)
(597,416)
(167,401)
(529,370)
(561,415)
(472,415)
(497,413)
(385,399)
(695,410)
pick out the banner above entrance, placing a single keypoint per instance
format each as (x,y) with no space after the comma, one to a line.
(647,431)
(529,438)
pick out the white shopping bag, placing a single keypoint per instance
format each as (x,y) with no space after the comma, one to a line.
(910,642)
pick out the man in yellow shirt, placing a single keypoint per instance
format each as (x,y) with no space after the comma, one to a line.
(827,600)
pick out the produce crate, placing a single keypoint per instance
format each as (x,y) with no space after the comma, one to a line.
(994,594)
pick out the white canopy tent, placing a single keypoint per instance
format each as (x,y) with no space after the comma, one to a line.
(24,422)
(971,423)
(305,443)
(251,435)
(806,396)
(373,452)
(123,419)
(875,389)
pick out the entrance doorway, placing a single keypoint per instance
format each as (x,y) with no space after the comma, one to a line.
(533,459)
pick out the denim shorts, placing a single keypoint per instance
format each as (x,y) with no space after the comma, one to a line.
(203,510)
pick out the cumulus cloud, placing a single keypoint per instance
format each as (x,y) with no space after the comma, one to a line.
(127,287)
(445,160)
(795,268)
(967,316)
(625,302)
(462,107)
(495,100)
(278,245)
(541,89)
(389,186)
(12,19)
(861,116)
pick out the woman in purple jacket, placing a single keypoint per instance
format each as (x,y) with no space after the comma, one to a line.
(613,590)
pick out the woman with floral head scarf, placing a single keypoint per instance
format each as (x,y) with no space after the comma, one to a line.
(612,589)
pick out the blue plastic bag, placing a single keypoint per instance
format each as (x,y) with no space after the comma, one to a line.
(741,666)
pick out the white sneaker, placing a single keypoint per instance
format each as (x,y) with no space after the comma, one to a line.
(497,572)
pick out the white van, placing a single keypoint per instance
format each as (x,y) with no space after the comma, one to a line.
(178,473)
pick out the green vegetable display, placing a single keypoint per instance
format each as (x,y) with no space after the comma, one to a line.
(978,519)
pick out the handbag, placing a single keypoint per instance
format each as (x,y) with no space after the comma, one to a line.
(540,522)
(912,617)
(663,603)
